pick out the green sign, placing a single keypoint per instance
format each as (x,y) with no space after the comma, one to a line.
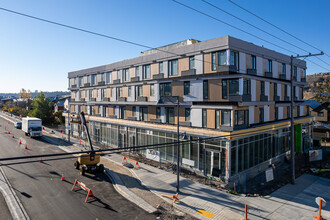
(298,136)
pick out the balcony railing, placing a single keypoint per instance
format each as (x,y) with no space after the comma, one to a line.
(277,98)
(155,120)
(286,98)
(93,99)
(240,98)
(158,76)
(190,72)
(135,79)
(131,118)
(263,98)
(73,86)
(142,99)
(121,99)
(106,99)
(116,81)
(185,123)
(269,74)
(282,76)
(252,71)
(102,83)
(226,68)
(82,99)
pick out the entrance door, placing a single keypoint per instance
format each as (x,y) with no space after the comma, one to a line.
(213,163)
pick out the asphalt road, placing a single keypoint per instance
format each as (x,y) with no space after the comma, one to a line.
(43,194)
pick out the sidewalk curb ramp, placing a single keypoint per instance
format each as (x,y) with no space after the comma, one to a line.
(122,189)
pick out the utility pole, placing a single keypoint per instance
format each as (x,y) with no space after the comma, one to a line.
(293,172)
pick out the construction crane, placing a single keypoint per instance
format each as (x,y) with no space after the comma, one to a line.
(88,162)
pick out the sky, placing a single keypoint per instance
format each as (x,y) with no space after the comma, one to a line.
(38,56)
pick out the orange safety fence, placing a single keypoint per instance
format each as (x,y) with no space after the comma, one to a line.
(83,186)
(136,166)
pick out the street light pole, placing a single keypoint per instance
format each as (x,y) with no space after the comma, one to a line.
(178,150)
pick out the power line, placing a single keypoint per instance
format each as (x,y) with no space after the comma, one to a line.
(322,61)
(275,26)
(238,18)
(230,25)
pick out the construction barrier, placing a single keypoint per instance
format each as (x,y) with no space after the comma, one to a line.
(174,197)
(246,212)
(136,166)
(83,186)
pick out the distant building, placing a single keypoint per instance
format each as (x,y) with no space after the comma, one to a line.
(59,106)
(320,111)
(227,88)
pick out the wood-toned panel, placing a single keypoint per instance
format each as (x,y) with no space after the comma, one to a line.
(208,63)
(146,91)
(215,93)
(271,112)
(282,91)
(265,66)
(83,108)
(94,93)
(256,114)
(154,69)
(125,92)
(177,89)
(210,118)
(183,64)
(131,72)
(271,91)
(182,114)
(111,110)
(128,112)
(151,112)
(108,92)
(285,112)
(114,75)
(258,90)
(248,61)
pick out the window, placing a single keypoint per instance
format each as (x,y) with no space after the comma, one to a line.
(186,88)
(138,91)
(261,115)
(233,87)
(320,114)
(161,67)
(187,114)
(286,90)
(283,68)
(118,75)
(224,89)
(119,92)
(246,86)
(108,77)
(113,92)
(288,113)
(165,89)
(126,74)
(253,62)
(301,93)
(234,59)
(204,118)
(152,90)
(146,71)
(81,81)
(144,113)
(214,58)
(294,93)
(270,66)
(129,91)
(103,93)
(122,112)
(225,117)
(262,87)
(134,111)
(169,115)
(241,117)
(222,58)
(298,111)
(102,77)
(276,113)
(294,73)
(217,119)
(191,62)
(205,89)
(137,73)
(93,79)
(89,79)
(275,90)
(173,67)
(158,112)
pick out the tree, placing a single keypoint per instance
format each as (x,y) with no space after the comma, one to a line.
(25,94)
(322,92)
(42,108)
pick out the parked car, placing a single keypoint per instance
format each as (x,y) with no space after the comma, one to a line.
(18,125)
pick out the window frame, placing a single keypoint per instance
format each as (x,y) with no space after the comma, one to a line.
(192,62)
(204,118)
(186,88)
(173,67)
(253,62)
(205,89)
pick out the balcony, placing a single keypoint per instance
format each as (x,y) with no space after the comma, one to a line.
(238,127)
(142,99)
(106,99)
(113,116)
(185,123)
(282,76)
(226,69)
(240,98)
(158,76)
(252,71)
(263,98)
(155,120)
(74,86)
(269,74)
(93,99)
(286,98)
(303,80)
(190,72)
(277,98)
(116,81)
(132,118)
(121,99)
(226,128)
(135,79)
(295,78)
(102,83)
(82,99)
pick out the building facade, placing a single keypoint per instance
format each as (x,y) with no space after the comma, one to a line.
(234,105)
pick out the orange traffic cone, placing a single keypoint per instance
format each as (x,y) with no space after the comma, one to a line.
(41,161)
(20,142)
(62,177)
(26,146)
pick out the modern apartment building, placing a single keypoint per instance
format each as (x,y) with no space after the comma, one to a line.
(234,104)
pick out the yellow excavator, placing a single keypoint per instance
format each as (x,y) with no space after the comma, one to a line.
(88,162)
